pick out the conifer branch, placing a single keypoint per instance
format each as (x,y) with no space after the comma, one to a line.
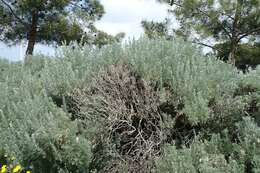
(206,14)
(249,32)
(13,13)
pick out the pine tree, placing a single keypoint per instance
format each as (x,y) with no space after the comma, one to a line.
(224,20)
(47,21)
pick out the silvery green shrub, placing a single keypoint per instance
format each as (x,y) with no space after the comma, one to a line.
(220,104)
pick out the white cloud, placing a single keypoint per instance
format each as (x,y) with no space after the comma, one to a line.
(17,52)
(130,29)
(13,53)
(126,15)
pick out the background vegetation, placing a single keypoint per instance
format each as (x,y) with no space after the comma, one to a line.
(227,27)
(147,106)
(156,104)
(52,22)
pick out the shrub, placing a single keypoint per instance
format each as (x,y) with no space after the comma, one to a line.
(146,106)
(219,154)
(34,130)
(127,107)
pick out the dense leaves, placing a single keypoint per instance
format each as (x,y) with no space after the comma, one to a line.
(221,21)
(156,29)
(247,55)
(52,22)
(158,102)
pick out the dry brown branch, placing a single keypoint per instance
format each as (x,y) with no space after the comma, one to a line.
(128,106)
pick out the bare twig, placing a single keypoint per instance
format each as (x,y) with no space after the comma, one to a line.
(249,33)
(207,45)
(13,13)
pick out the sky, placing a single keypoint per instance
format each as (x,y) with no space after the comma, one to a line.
(121,16)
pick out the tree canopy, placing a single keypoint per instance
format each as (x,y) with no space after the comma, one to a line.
(219,20)
(156,29)
(50,21)
(247,55)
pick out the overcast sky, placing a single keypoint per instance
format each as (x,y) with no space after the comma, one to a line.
(121,16)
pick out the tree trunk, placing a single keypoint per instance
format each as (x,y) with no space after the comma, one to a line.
(235,29)
(232,52)
(32,33)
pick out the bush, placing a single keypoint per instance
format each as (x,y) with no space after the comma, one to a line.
(34,130)
(127,107)
(146,106)
(219,154)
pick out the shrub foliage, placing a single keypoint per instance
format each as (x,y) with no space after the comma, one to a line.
(146,106)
